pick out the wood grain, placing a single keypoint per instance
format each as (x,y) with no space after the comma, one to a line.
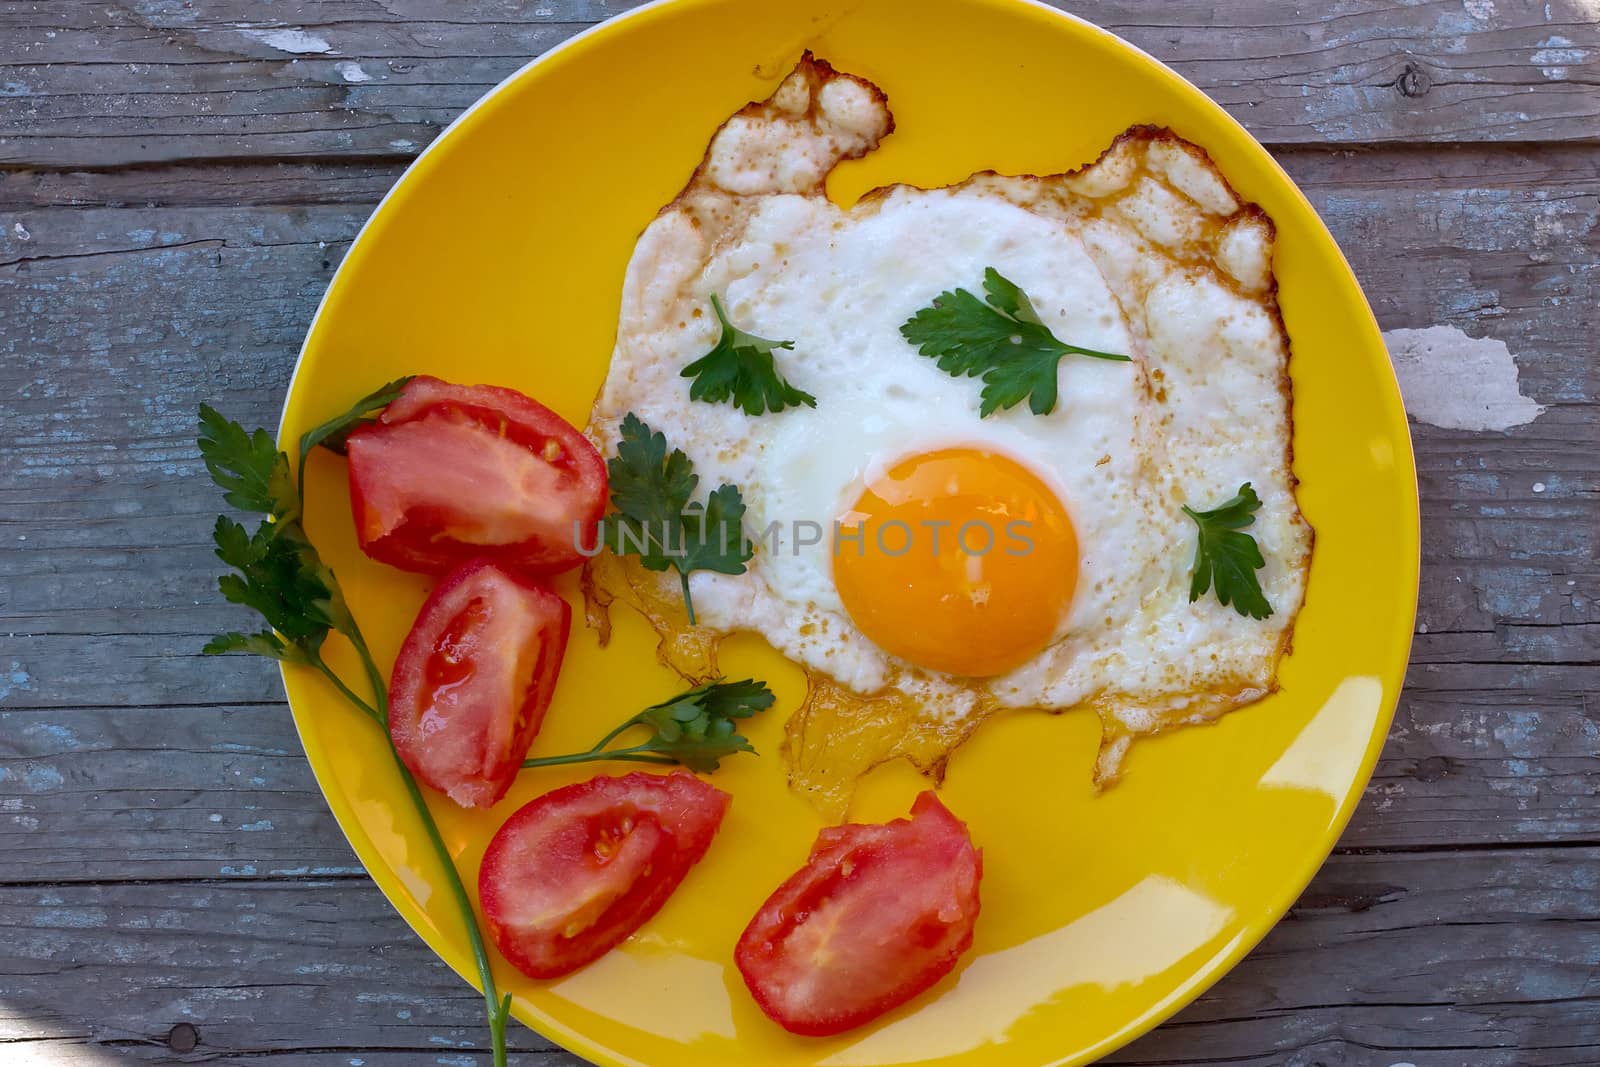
(1492,739)
(162,792)
(224,793)
(178,182)
(1432,955)
(354,78)
(213,303)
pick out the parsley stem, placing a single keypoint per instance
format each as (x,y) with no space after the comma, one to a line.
(636,754)
(327,672)
(283,578)
(614,734)
(498,1009)
(1115,357)
(688,601)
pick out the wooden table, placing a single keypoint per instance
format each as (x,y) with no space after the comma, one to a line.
(178,179)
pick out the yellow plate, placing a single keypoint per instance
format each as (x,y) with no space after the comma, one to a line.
(499,258)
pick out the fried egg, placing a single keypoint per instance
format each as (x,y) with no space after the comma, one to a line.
(1063,579)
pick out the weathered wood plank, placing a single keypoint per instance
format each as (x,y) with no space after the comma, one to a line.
(1509,759)
(1380,929)
(71,1052)
(104,521)
(75,1052)
(92,84)
(171,792)
(161,793)
(1416,957)
(1525,169)
(211,303)
(262,966)
(1398,954)
(282,183)
(107,599)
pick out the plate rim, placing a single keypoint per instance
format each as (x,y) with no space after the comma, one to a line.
(1211,971)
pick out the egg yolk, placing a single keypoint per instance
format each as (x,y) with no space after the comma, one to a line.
(958,560)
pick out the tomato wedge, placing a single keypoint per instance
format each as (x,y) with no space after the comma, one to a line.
(473,679)
(450,473)
(877,915)
(574,872)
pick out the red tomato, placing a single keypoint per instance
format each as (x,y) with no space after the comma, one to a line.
(473,679)
(574,872)
(451,473)
(877,915)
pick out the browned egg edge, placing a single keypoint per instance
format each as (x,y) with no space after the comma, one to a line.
(837,735)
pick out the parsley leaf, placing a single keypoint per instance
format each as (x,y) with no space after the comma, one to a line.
(253,474)
(715,534)
(655,517)
(265,643)
(740,369)
(697,728)
(278,572)
(647,484)
(281,576)
(1228,558)
(1000,340)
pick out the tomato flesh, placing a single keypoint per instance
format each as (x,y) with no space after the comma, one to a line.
(574,872)
(877,915)
(450,473)
(473,680)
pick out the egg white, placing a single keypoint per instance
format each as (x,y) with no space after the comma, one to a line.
(1147,253)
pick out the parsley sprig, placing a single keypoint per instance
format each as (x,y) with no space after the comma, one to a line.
(696,728)
(655,516)
(999,339)
(282,578)
(279,573)
(740,369)
(1227,558)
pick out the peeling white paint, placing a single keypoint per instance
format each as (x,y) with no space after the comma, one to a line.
(42,778)
(1457,382)
(1480,9)
(352,72)
(1555,55)
(62,738)
(295,42)
(22,232)
(15,679)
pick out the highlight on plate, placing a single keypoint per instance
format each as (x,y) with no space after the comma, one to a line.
(1018,443)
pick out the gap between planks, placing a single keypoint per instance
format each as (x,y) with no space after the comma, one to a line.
(290,181)
(331,877)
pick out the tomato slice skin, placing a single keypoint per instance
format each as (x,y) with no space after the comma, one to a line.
(451,473)
(878,914)
(572,873)
(473,680)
